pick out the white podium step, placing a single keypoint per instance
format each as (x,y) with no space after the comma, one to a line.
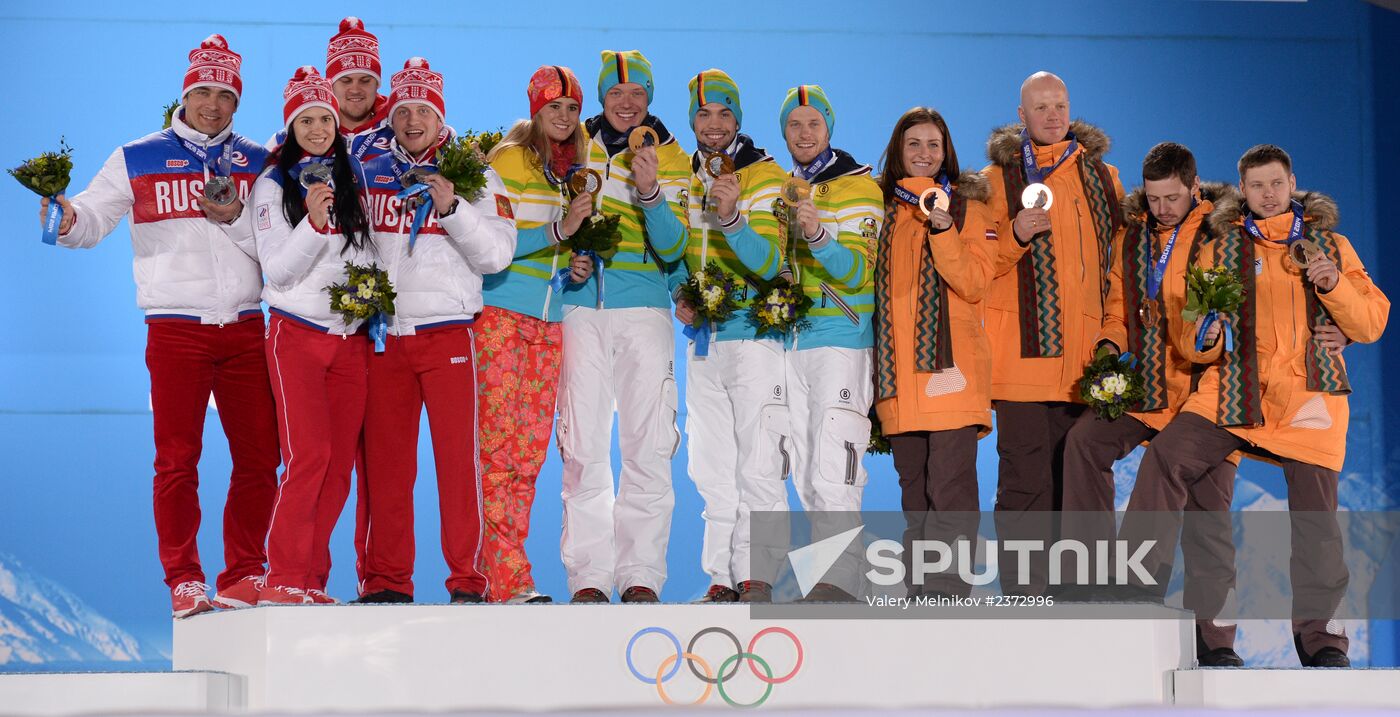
(1299,688)
(359,658)
(69,693)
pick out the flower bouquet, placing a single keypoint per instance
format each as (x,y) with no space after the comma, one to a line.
(780,307)
(1111,383)
(1213,293)
(716,295)
(366,294)
(462,161)
(48,175)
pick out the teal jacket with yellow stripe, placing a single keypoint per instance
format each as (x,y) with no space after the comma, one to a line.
(651,235)
(523,287)
(751,247)
(836,268)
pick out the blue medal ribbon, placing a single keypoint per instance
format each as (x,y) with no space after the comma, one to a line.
(378,331)
(912,199)
(224,168)
(1227,334)
(823,160)
(1159,268)
(421,214)
(1036,174)
(52,221)
(1295,231)
(597,270)
(701,337)
(559,280)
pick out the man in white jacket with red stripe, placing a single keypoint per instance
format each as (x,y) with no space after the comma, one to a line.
(429,358)
(204,320)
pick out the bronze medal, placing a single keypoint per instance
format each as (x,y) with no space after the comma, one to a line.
(933,198)
(1150,312)
(585,181)
(1301,253)
(638,138)
(717,164)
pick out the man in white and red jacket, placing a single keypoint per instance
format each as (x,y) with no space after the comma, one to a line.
(429,357)
(204,320)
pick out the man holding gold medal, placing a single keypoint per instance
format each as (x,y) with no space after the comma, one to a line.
(1058,208)
(201,294)
(1277,386)
(829,217)
(619,351)
(735,384)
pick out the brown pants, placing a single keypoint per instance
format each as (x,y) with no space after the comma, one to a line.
(1091,449)
(938,493)
(1183,455)
(1030,479)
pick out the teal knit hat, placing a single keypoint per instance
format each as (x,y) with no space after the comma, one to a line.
(807,96)
(714,86)
(623,66)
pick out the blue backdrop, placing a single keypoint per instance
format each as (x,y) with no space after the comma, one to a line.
(77,545)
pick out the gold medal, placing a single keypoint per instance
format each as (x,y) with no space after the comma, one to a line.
(717,163)
(1301,253)
(796,189)
(1150,312)
(638,138)
(933,198)
(1037,196)
(585,181)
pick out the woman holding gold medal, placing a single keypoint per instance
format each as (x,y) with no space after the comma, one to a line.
(830,214)
(735,386)
(518,335)
(933,361)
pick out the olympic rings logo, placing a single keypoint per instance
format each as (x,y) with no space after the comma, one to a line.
(714,680)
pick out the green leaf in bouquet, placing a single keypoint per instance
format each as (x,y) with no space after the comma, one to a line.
(879,442)
(780,307)
(599,234)
(48,174)
(1110,385)
(365,293)
(715,293)
(462,161)
(170,110)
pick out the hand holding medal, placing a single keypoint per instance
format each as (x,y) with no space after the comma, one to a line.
(934,203)
(315,178)
(642,141)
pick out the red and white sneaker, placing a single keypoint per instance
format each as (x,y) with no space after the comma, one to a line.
(189,598)
(321,598)
(243,593)
(283,595)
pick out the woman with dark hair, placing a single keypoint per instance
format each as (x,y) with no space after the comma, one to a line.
(308,222)
(932,357)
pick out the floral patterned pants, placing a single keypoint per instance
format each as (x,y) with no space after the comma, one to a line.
(518,360)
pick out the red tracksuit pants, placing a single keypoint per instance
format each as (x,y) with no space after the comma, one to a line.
(188,361)
(320,381)
(518,374)
(436,369)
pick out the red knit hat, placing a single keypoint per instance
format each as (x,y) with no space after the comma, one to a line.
(416,82)
(212,64)
(305,90)
(549,83)
(353,50)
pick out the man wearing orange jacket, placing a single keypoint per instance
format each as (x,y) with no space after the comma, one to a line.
(1272,387)
(1046,304)
(1166,231)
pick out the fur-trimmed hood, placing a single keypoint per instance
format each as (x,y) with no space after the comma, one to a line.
(974,185)
(1319,211)
(1135,204)
(1004,144)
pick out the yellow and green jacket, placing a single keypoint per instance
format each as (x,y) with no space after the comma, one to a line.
(523,287)
(650,234)
(750,247)
(835,270)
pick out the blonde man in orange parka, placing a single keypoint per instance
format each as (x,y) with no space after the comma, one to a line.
(933,362)
(1273,388)
(1045,308)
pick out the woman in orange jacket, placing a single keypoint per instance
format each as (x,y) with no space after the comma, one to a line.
(932,357)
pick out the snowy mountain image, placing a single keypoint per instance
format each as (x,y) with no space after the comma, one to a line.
(45,626)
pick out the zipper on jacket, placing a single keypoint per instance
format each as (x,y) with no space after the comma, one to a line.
(549,292)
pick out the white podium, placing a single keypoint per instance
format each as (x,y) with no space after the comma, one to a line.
(552,657)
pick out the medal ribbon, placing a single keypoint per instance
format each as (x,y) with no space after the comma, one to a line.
(1034,173)
(822,161)
(420,215)
(1159,268)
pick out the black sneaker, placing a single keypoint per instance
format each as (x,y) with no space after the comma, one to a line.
(1329,657)
(637,593)
(755,591)
(383,597)
(589,595)
(462,597)
(1220,657)
(719,593)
